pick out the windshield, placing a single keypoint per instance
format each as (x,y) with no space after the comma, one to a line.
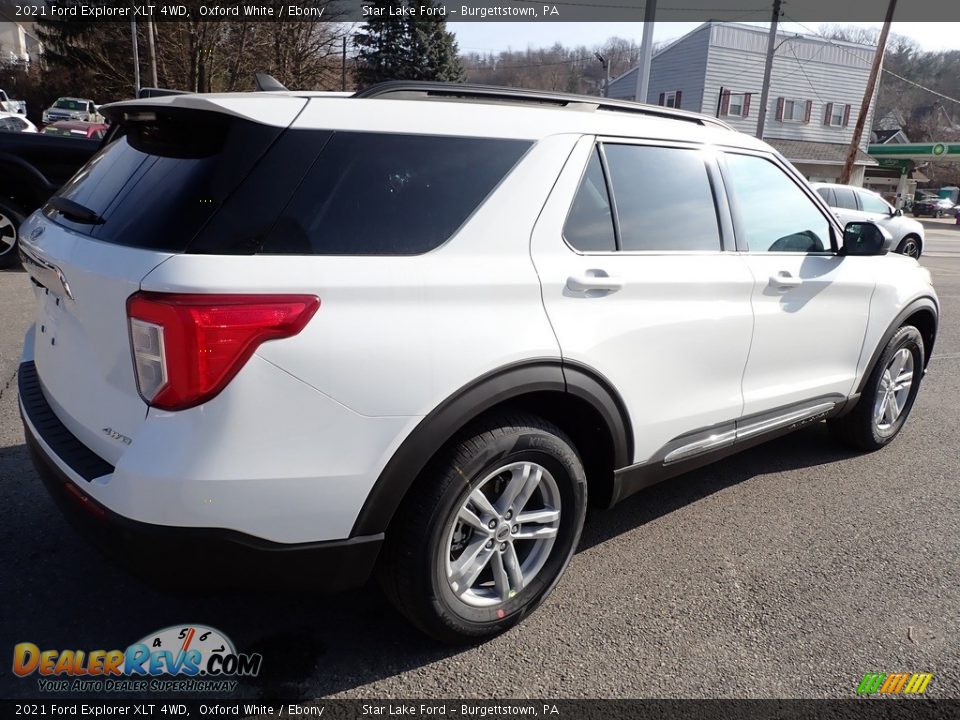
(70,104)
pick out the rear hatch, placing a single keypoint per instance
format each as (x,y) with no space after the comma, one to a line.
(140,200)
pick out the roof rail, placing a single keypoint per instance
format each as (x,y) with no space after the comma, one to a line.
(414,90)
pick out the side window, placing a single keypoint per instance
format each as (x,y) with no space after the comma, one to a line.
(663,198)
(775,215)
(872,204)
(589,225)
(845,198)
(390,194)
(827,195)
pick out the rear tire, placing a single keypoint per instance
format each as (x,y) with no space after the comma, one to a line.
(888,396)
(11,217)
(446,569)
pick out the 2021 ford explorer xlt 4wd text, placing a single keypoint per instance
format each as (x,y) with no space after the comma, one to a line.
(410,333)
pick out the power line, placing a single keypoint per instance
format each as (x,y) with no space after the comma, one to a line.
(861,60)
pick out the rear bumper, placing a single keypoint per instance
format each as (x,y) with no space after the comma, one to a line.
(181,556)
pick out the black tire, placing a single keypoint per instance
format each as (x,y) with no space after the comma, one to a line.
(414,564)
(11,218)
(860,428)
(910,246)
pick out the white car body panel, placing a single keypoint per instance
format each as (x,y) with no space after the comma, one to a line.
(680,321)
(806,339)
(290,450)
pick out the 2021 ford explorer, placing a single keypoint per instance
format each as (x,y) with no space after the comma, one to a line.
(411,333)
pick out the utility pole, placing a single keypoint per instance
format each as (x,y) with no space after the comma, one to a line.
(136,58)
(646,50)
(343,64)
(152,53)
(604,63)
(768,69)
(867,95)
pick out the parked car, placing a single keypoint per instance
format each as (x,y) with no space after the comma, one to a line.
(934,207)
(77,128)
(853,204)
(7,104)
(32,167)
(284,339)
(14,122)
(70,108)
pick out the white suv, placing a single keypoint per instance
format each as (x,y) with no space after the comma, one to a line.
(414,330)
(856,204)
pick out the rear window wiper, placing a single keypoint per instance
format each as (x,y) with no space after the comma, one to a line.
(75,211)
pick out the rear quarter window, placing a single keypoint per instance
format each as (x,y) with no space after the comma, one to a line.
(389,194)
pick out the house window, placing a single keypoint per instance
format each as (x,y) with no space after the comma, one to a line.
(734,104)
(669,99)
(836,115)
(793,110)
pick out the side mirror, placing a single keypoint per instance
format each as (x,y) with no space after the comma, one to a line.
(865,238)
(896,213)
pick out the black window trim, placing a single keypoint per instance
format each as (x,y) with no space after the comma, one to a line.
(723,216)
(835,230)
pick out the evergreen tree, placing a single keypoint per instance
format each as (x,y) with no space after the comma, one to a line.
(435,48)
(404,47)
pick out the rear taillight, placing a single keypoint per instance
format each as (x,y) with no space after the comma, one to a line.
(186,348)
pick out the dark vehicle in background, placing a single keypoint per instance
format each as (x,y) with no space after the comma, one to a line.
(934,207)
(33,166)
(77,128)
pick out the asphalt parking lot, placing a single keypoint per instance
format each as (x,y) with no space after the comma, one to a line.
(787,571)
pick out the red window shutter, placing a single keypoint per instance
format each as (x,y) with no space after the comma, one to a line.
(725,102)
(846,115)
(663,97)
(676,102)
(746,104)
(779,109)
(827,113)
(808,111)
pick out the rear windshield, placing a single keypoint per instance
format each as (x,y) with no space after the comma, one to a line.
(158,184)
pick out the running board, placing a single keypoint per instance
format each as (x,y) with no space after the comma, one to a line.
(702,447)
(759,427)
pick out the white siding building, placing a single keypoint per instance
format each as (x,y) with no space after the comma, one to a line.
(816,89)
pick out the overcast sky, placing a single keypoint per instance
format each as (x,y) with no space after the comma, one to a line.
(495,36)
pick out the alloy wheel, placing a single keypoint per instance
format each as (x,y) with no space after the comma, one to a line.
(893,391)
(502,534)
(8,234)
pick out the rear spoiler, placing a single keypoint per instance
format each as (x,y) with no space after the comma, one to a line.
(149,92)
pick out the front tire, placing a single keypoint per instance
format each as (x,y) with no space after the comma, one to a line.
(487,530)
(10,220)
(888,396)
(910,246)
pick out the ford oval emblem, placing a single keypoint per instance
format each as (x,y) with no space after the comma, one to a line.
(36,232)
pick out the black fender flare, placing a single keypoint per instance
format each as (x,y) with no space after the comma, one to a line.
(925,303)
(468,403)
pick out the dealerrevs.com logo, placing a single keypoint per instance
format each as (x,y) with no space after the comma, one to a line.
(185,658)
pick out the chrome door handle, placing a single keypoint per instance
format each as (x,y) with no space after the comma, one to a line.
(785,280)
(594,280)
